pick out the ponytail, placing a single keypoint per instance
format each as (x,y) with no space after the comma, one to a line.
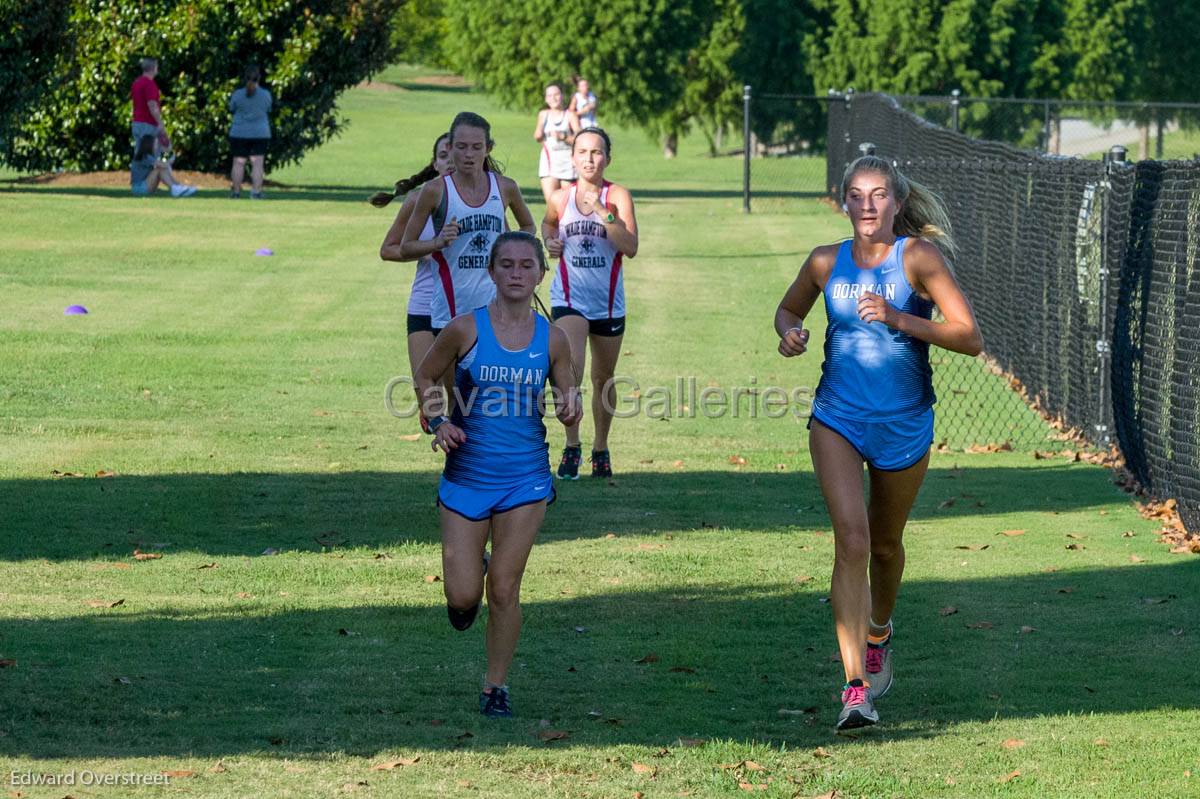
(922,212)
(251,76)
(380,199)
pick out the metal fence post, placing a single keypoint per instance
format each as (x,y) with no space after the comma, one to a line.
(746,149)
(1046,128)
(1113,160)
(954,103)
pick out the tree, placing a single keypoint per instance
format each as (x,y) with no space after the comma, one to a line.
(662,65)
(310,51)
(32,36)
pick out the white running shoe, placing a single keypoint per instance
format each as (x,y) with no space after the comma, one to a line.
(879,668)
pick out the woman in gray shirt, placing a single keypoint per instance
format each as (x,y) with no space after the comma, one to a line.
(250,132)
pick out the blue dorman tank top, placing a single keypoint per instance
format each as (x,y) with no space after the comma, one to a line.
(499,406)
(871,371)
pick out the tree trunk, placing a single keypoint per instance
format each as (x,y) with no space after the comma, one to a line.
(670,145)
(1143,141)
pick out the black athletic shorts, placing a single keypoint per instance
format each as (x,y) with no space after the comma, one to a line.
(418,323)
(244,148)
(596,327)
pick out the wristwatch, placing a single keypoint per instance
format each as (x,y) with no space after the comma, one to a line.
(437,422)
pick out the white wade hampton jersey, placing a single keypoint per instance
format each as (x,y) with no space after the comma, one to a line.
(463,283)
(589,276)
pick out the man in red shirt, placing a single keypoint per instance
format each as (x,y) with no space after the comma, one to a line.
(147,115)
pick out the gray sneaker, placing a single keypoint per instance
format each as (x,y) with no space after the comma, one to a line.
(879,668)
(857,709)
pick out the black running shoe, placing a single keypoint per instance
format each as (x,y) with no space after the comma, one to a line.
(568,467)
(494,703)
(601,464)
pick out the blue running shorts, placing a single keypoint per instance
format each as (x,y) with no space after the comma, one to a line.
(890,446)
(478,504)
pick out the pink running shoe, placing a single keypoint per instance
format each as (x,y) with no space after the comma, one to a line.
(857,709)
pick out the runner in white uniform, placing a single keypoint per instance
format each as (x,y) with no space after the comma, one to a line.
(461,282)
(589,229)
(583,103)
(457,218)
(555,129)
(420,329)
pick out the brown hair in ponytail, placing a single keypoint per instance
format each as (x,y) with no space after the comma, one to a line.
(381,199)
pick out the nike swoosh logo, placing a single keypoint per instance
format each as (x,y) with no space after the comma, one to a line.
(618,328)
(535,355)
(539,488)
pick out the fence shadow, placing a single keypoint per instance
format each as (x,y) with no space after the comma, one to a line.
(238,676)
(245,513)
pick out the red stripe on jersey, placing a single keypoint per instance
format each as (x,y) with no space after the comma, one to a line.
(612,282)
(562,273)
(447,280)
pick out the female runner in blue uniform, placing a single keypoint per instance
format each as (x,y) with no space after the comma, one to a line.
(497,471)
(874,403)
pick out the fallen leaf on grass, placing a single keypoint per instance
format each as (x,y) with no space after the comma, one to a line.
(344,631)
(122,681)
(140,555)
(1028,629)
(980,625)
(677,464)
(1074,536)
(682,669)
(737,460)
(104,603)
(1157,600)
(1136,559)
(7,663)
(787,712)
(1100,742)
(178,773)
(1066,589)
(212,565)
(750,765)
(553,735)
(106,473)
(691,742)
(1013,743)
(650,658)
(432,578)
(399,762)
(57,473)
(642,768)
(821,752)
(1011,533)
(949,610)
(831,795)
(1177,631)
(412,437)
(217,768)
(973,547)
(1010,776)
(804,578)
(1128,534)
(752,786)
(270,551)
(947,503)
(244,595)
(1076,547)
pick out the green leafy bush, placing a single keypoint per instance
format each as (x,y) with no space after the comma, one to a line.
(309,50)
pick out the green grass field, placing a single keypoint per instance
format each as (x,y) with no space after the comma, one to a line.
(239,402)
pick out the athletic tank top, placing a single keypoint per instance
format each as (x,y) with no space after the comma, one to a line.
(499,407)
(872,371)
(587,120)
(463,283)
(589,275)
(549,128)
(421,295)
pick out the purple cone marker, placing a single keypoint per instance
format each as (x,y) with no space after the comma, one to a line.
(264,251)
(73,310)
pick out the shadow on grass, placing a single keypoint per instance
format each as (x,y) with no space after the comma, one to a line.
(244,513)
(359,194)
(256,676)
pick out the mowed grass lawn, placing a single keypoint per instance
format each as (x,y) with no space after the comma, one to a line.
(676,640)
